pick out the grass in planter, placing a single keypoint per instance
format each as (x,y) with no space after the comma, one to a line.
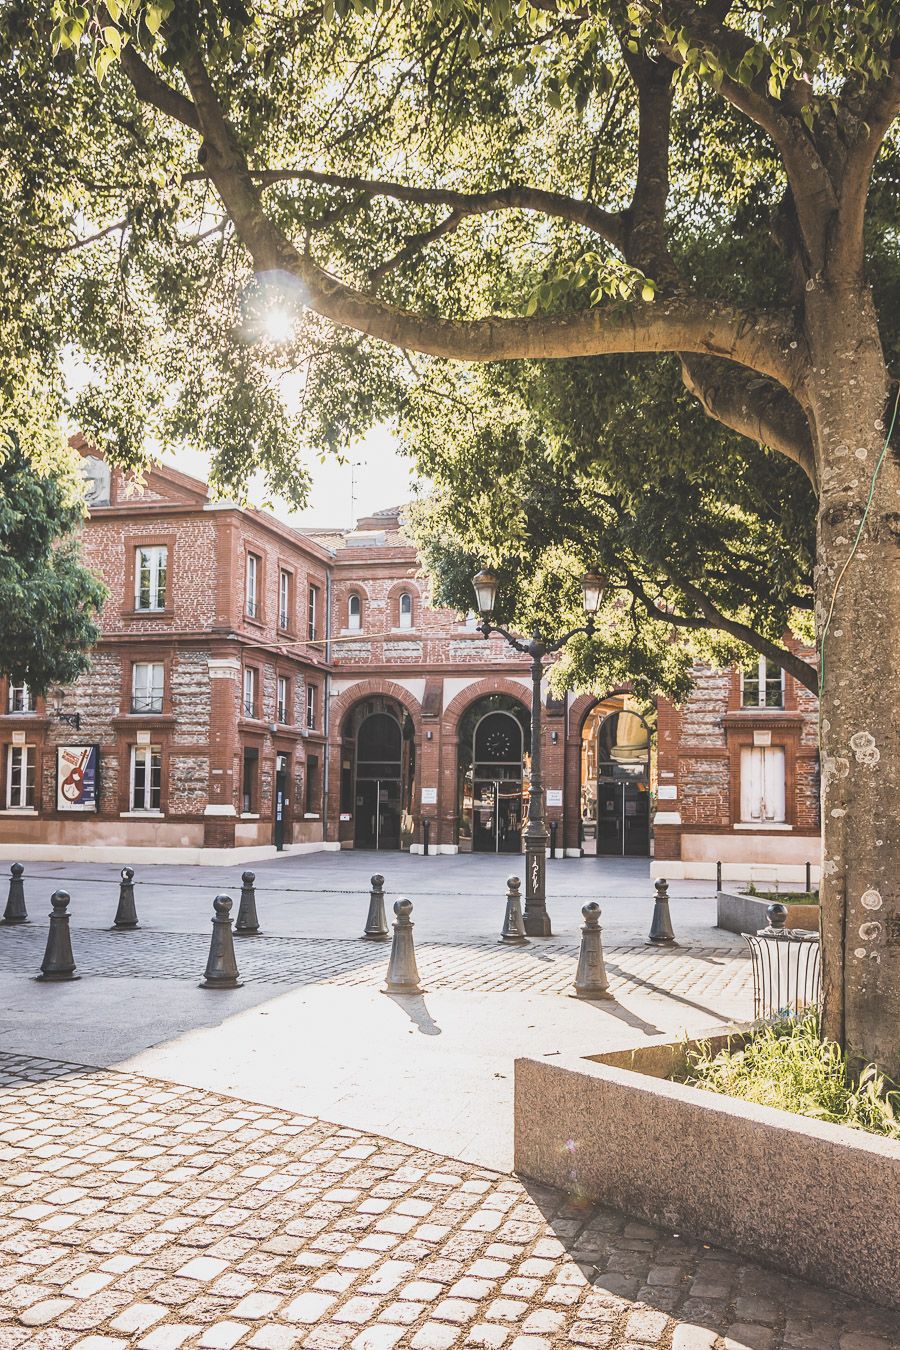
(786,1064)
(784,897)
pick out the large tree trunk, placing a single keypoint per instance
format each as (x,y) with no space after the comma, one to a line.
(858,623)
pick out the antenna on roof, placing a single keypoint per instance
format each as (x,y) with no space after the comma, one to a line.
(355,464)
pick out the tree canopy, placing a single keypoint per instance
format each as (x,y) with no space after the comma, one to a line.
(48,600)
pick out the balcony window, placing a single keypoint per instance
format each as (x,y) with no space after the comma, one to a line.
(311,692)
(250,782)
(252,586)
(147,679)
(313,789)
(283,699)
(284,601)
(146,778)
(762,685)
(20,777)
(250,688)
(20,700)
(151,577)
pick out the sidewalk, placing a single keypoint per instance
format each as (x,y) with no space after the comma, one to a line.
(138,1212)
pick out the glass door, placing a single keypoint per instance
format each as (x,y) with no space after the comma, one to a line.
(378,803)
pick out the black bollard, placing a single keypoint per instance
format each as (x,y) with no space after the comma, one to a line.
(426,827)
(513,932)
(402,973)
(590,977)
(126,914)
(15,911)
(554,826)
(809,878)
(221,967)
(718,876)
(376,929)
(247,922)
(58,962)
(661,931)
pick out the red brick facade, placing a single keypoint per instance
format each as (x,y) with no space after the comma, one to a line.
(252,701)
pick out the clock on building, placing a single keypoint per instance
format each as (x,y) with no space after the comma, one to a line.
(499,744)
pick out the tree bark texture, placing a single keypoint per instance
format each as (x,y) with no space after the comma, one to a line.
(858,626)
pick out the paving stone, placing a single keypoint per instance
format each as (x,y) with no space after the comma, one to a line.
(744,1336)
(223,1335)
(435,1336)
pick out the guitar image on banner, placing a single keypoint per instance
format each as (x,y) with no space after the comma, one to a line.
(76,777)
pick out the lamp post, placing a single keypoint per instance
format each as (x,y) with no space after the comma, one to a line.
(487,584)
(71,719)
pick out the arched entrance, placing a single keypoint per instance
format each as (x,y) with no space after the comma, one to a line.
(615,778)
(494,741)
(381,766)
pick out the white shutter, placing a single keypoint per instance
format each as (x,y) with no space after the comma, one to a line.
(762,783)
(773,761)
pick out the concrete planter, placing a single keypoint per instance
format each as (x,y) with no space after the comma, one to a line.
(820,1200)
(741,913)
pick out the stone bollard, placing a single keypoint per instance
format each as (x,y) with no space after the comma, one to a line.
(126,914)
(221,967)
(661,931)
(402,972)
(58,962)
(590,977)
(376,929)
(15,911)
(247,922)
(513,933)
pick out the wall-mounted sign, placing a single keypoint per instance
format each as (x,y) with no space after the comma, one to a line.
(762,738)
(429,796)
(77,777)
(554,796)
(345,815)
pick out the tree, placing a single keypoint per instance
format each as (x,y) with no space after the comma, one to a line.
(567,465)
(48,601)
(494,181)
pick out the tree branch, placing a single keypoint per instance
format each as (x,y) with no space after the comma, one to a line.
(414,244)
(517,197)
(873,118)
(757,408)
(151,89)
(762,341)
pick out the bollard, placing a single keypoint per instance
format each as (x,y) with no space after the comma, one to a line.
(554,826)
(590,977)
(661,932)
(126,914)
(247,922)
(58,962)
(402,973)
(426,827)
(809,878)
(513,933)
(15,911)
(376,929)
(221,966)
(718,876)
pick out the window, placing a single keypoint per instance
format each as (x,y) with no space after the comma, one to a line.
(283,699)
(252,588)
(250,782)
(20,777)
(762,685)
(147,687)
(150,577)
(406,610)
(311,691)
(354,612)
(146,777)
(249,691)
(762,783)
(284,600)
(20,700)
(312,786)
(312,617)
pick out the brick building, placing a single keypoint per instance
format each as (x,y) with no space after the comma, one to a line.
(258,687)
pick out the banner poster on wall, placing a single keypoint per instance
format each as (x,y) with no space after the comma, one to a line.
(77,777)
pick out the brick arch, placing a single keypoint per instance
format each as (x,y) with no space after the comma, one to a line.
(466,697)
(392,598)
(374,688)
(585,704)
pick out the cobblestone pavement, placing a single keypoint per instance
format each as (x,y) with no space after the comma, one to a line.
(135,1212)
(477,967)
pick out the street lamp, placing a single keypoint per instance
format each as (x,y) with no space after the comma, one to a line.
(487,584)
(71,719)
